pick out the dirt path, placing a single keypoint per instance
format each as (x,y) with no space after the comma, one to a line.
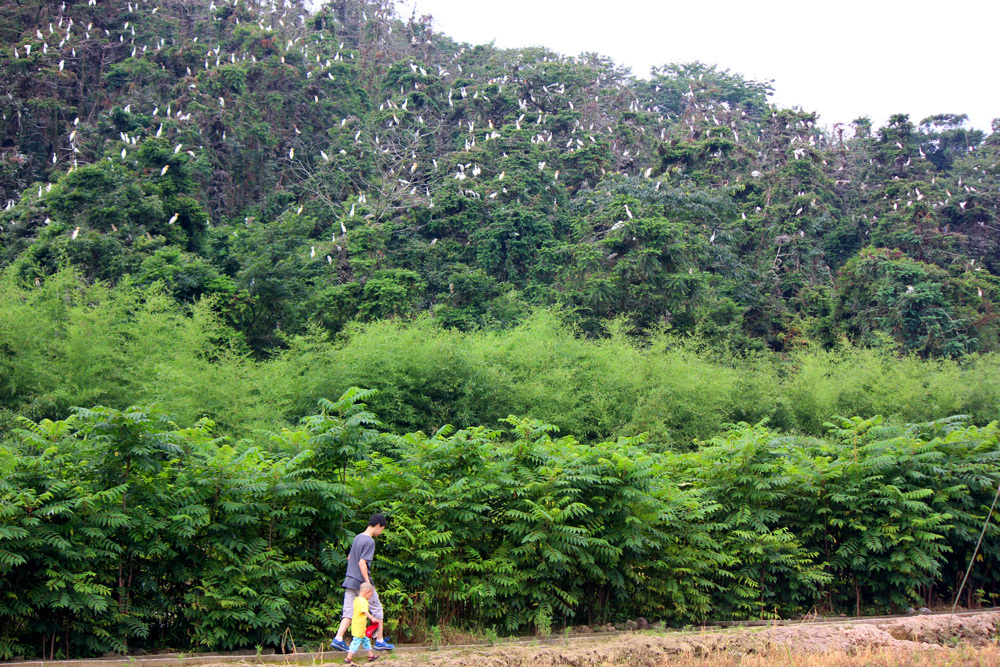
(908,635)
(921,640)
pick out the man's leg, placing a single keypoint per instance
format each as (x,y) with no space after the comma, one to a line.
(345,616)
(375,609)
(342,630)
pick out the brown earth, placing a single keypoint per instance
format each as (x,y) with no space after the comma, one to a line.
(931,635)
(977,630)
(919,641)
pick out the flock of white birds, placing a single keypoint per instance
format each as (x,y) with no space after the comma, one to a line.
(410,179)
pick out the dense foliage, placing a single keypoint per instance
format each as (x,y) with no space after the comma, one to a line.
(348,165)
(69,343)
(218,213)
(120,530)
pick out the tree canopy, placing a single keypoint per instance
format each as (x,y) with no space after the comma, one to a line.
(348,164)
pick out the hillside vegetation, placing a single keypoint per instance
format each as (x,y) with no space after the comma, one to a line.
(123,530)
(628,346)
(349,165)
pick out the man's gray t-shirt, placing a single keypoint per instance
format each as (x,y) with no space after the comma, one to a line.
(363,548)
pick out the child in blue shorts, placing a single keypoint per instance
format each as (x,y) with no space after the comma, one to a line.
(359,625)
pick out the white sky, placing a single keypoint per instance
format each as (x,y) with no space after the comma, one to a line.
(842,58)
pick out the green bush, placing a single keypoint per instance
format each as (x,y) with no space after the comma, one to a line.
(69,343)
(120,530)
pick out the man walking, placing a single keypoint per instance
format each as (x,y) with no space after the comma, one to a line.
(359,563)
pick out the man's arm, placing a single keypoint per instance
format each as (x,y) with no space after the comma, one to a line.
(363,566)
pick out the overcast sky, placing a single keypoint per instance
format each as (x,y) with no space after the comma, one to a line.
(843,58)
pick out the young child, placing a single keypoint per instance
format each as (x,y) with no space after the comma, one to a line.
(359,625)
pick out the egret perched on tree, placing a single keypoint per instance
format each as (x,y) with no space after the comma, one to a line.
(173,218)
(163,171)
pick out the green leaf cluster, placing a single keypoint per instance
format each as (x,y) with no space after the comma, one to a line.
(121,530)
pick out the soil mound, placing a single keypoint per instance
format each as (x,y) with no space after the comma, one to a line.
(977,630)
(918,634)
(653,651)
